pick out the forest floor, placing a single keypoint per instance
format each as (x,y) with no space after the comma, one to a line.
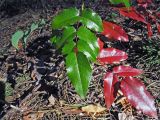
(34,84)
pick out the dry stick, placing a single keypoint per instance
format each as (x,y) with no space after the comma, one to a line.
(12,106)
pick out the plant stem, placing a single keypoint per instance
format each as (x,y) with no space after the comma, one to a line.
(82,5)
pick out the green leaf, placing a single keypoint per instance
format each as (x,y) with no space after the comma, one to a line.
(54,39)
(68,47)
(85,34)
(79,72)
(65,18)
(42,22)
(126,2)
(92,20)
(16,37)
(68,35)
(34,26)
(84,47)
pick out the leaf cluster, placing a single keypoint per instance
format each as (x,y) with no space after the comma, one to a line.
(74,34)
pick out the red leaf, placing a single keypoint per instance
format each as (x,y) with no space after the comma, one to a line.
(149,27)
(114,32)
(126,71)
(100,43)
(144,3)
(111,55)
(131,13)
(138,96)
(110,88)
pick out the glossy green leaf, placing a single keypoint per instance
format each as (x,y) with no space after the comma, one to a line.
(16,37)
(85,34)
(84,47)
(92,20)
(54,39)
(126,2)
(65,18)
(79,72)
(68,47)
(68,35)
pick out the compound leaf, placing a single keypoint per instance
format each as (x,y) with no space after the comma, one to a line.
(79,72)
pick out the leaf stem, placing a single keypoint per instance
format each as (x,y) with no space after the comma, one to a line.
(82,5)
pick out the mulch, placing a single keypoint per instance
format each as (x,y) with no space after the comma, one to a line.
(39,73)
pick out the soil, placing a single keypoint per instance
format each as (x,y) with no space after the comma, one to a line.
(34,84)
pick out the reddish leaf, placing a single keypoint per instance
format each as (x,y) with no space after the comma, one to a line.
(131,13)
(126,71)
(111,55)
(144,3)
(149,27)
(138,96)
(114,32)
(100,43)
(110,88)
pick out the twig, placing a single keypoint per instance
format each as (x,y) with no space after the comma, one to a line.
(12,106)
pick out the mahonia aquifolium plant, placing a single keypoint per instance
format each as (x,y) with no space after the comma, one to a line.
(78,42)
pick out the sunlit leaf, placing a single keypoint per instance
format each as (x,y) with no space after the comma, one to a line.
(84,47)
(138,96)
(92,20)
(65,18)
(126,71)
(85,34)
(16,38)
(111,55)
(114,32)
(79,72)
(110,88)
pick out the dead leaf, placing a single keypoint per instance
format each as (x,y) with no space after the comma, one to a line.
(52,100)
(123,116)
(93,109)
(33,116)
